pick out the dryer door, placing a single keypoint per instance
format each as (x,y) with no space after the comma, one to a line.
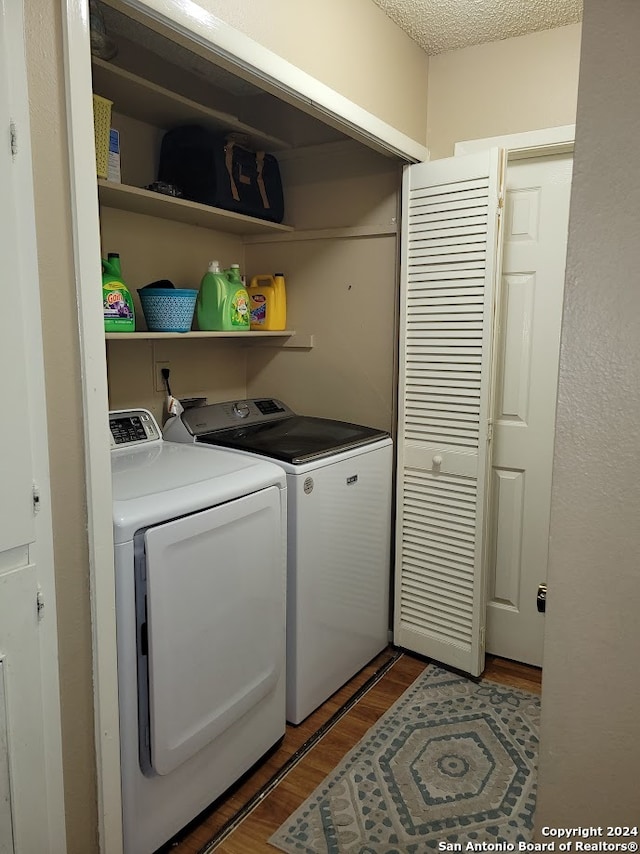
(215,592)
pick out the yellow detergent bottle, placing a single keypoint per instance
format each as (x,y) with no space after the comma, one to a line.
(268,300)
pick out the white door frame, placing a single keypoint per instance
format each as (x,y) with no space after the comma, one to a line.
(40,551)
(86,246)
(255,62)
(535,143)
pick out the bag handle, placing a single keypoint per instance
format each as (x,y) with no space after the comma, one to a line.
(261,186)
(228,159)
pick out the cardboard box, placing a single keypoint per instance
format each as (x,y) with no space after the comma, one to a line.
(113,173)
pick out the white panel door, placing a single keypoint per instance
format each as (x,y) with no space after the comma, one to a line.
(449,262)
(528,347)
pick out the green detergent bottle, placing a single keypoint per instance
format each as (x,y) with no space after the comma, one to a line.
(117,302)
(223,301)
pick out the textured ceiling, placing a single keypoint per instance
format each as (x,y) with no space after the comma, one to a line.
(441,25)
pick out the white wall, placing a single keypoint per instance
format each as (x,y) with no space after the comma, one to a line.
(590,750)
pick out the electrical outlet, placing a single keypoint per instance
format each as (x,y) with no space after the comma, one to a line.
(158,366)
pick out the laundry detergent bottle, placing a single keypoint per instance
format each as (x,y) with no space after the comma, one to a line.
(238,299)
(268,302)
(117,302)
(223,302)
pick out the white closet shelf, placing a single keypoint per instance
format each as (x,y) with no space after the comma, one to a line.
(137,200)
(146,101)
(301,342)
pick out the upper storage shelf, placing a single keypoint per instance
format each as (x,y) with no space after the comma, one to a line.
(137,200)
(141,99)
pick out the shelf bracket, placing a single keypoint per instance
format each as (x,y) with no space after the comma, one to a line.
(296,342)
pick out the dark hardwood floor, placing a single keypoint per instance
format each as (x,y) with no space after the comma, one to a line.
(250,836)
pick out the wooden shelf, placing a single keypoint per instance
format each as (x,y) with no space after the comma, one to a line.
(137,200)
(140,99)
(133,336)
(291,340)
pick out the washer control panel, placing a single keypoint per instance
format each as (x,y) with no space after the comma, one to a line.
(130,427)
(223,416)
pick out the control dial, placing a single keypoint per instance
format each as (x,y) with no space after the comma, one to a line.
(241,409)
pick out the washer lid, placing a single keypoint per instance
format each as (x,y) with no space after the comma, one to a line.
(297,439)
(165,480)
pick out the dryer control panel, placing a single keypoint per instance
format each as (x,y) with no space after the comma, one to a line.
(131,427)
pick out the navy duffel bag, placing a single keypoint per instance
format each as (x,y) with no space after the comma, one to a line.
(215,170)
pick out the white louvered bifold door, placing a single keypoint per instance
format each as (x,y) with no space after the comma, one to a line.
(449,266)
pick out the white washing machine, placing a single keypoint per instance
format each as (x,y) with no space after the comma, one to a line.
(339,531)
(200,563)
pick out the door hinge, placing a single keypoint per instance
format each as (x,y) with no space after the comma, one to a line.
(40,604)
(489,431)
(13,133)
(500,203)
(483,637)
(36,499)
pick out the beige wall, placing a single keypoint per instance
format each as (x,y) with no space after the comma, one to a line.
(64,412)
(343,291)
(352,47)
(590,748)
(503,87)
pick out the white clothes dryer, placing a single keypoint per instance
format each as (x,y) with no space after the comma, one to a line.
(200,563)
(339,533)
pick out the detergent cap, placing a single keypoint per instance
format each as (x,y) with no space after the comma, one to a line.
(214,267)
(113,258)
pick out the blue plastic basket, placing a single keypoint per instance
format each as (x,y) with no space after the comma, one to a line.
(168,309)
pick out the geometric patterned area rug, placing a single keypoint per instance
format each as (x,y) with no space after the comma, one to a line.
(454,760)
